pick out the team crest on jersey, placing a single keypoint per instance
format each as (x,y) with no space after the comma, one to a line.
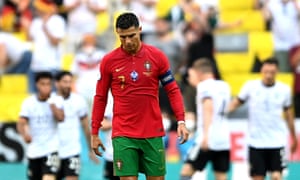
(134,75)
(119,164)
(148,68)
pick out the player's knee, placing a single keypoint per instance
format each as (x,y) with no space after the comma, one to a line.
(49,177)
(187,170)
(276,175)
(220,176)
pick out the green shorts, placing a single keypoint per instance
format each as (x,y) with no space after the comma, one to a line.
(132,155)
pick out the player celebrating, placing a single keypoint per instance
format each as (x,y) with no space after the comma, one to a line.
(212,137)
(267,100)
(38,127)
(133,72)
(76,115)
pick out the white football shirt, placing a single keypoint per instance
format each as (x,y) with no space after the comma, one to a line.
(219,92)
(42,127)
(267,128)
(75,108)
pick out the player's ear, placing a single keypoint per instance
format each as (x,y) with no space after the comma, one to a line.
(140,29)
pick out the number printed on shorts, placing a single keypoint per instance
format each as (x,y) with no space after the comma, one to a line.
(53,162)
(74,164)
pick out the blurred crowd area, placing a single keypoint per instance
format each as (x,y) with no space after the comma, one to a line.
(38,35)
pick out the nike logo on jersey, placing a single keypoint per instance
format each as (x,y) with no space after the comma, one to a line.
(119,69)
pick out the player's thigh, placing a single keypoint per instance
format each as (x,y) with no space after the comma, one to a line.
(257,161)
(51,165)
(126,156)
(153,161)
(276,160)
(35,169)
(187,170)
(221,161)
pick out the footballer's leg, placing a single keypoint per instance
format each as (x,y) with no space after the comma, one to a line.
(276,162)
(257,164)
(221,163)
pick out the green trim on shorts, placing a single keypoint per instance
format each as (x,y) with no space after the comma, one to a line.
(132,155)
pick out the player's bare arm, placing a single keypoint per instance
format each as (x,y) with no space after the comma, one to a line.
(23,129)
(56,105)
(290,120)
(207,119)
(87,132)
(233,105)
(182,132)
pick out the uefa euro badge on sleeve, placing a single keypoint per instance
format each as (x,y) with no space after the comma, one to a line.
(134,75)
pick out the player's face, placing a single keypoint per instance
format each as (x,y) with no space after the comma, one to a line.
(44,87)
(130,39)
(65,85)
(269,72)
(193,77)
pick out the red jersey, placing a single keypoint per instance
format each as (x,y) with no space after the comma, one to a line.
(134,82)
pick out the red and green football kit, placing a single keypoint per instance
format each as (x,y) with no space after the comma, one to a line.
(134,82)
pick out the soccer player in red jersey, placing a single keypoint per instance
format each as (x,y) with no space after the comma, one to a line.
(133,73)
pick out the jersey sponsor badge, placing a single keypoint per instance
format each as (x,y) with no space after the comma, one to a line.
(134,75)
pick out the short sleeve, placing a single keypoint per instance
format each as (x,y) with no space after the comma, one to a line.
(288,98)
(83,107)
(25,109)
(203,92)
(109,106)
(244,92)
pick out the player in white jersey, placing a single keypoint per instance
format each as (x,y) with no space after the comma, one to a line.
(106,128)
(38,126)
(212,137)
(76,116)
(268,100)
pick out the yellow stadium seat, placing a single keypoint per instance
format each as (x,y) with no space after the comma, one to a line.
(10,106)
(67,61)
(103,22)
(164,6)
(236,4)
(261,44)
(13,84)
(234,62)
(252,20)
(236,81)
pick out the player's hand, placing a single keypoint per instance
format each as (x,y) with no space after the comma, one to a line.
(95,143)
(204,144)
(27,138)
(294,145)
(93,157)
(182,132)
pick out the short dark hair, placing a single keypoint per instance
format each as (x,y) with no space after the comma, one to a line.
(61,74)
(203,64)
(43,75)
(127,20)
(271,60)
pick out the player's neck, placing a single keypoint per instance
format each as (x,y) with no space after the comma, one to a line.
(268,84)
(41,97)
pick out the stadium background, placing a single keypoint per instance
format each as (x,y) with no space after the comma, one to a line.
(235,64)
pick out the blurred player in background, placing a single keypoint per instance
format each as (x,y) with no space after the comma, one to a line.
(133,72)
(267,100)
(85,66)
(212,141)
(38,127)
(76,117)
(106,128)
